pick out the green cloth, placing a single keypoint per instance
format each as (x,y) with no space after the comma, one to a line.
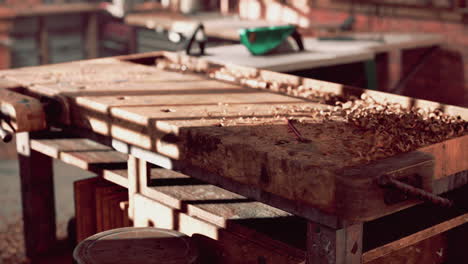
(264,39)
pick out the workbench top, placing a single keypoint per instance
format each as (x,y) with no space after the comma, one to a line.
(314,56)
(236,132)
(351,48)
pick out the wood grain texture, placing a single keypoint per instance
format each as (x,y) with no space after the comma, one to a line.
(434,250)
(204,201)
(85,207)
(229,130)
(104,193)
(25,113)
(414,238)
(82,153)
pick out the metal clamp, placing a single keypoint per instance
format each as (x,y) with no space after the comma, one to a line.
(5,135)
(388,181)
(201,42)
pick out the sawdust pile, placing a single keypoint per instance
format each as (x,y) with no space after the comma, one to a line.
(395,129)
(386,129)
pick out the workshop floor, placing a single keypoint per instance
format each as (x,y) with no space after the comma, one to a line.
(11,236)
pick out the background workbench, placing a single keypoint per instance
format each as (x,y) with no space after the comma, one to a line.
(346,49)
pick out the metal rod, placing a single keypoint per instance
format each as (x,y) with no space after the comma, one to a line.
(389,181)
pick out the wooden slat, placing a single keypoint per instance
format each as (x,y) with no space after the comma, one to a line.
(118,177)
(415,238)
(82,153)
(231,246)
(199,199)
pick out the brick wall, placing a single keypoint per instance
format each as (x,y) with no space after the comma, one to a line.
(443,78)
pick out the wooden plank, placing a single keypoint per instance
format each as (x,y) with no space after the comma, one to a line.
(415,238)
(133,167)
(118,177)
(434,250)
(82,153)
(37,195)
(230,247)
(448,156)
(26,113)
(198,199)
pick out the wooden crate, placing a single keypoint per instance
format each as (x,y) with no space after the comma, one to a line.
(98,207)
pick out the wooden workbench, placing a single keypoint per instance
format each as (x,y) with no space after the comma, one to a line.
(91,10)
(352,48)
(235,137)
(314,56)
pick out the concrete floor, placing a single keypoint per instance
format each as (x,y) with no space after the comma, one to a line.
(11,244)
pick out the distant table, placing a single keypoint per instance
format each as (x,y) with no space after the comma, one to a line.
(314,56)
(391,44)
(345,49)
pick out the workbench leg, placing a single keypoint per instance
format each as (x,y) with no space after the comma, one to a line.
(37,193)
(329,246)
(138,176)
(394,68)
(43,41)
(92,36)
(370,68)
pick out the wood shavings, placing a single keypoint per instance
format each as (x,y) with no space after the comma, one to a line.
(395,129)
(352,130)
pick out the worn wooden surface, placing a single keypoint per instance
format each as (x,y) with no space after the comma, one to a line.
(26,113)
(225,129)
(82,153)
